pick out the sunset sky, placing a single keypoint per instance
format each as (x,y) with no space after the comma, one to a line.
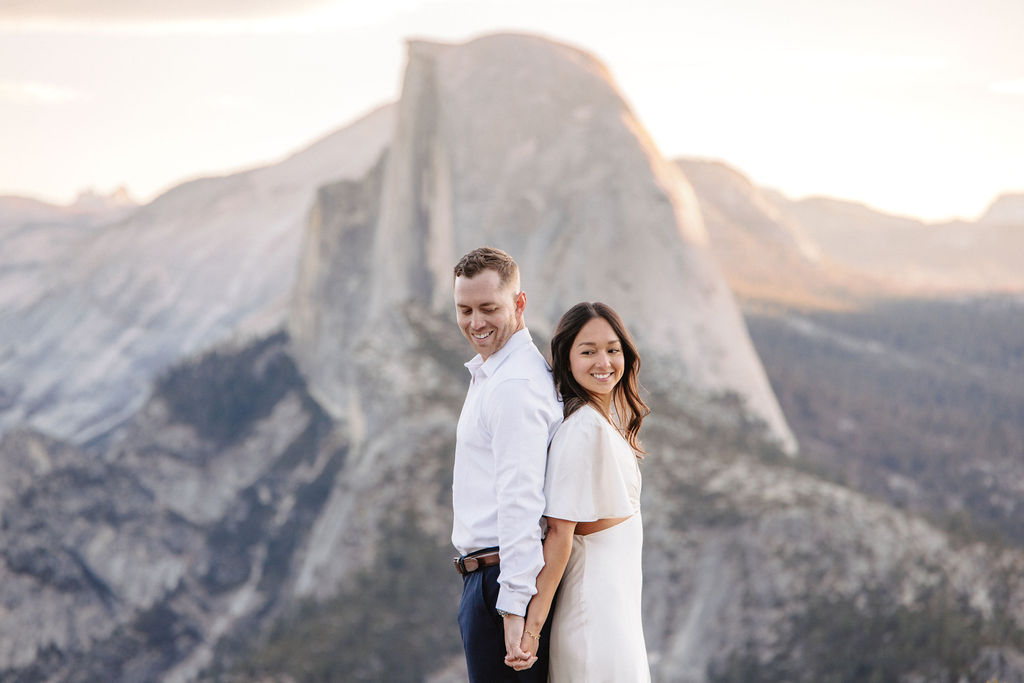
(910,106)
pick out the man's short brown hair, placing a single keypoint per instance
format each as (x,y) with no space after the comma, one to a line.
(488,258)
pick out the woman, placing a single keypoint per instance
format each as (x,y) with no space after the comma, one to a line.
(592,486)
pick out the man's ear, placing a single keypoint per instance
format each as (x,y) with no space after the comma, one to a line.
(520,303)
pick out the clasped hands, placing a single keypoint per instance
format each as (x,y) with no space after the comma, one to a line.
(520,646)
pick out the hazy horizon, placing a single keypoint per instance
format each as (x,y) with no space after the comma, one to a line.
(908,107)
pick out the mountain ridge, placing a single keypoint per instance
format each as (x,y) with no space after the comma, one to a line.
(91,321)
(835,254)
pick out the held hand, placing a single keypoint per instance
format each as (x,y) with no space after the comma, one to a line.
(515,656)
(529,644)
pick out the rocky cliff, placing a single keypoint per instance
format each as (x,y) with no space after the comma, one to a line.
(233,531)
(541,156)
(92,312)
(132,564)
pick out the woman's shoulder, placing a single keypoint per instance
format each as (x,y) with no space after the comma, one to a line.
(585,423)
(585,417)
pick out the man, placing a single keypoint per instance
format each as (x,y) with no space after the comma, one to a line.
(510,414)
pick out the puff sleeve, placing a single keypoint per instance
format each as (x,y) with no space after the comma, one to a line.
(585,481)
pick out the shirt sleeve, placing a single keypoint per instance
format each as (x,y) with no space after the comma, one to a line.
(519,420)
(584,481)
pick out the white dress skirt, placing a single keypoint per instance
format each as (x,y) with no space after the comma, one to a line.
(596,629)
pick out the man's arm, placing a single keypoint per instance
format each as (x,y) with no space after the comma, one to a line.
(519,423)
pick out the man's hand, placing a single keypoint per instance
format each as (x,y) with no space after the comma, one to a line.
(515,656)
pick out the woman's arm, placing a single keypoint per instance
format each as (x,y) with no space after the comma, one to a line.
(557,546)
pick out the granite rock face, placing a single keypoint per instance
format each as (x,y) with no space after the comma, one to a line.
(132,564)
(539,155)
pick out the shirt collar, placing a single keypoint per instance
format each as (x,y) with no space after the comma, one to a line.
(485,368)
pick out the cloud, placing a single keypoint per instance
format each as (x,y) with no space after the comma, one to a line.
(197,16)
(1008,87)
(136,11)
(37,93)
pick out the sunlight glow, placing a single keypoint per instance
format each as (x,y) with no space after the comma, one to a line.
(858,101)
(41,93)
(1008,87)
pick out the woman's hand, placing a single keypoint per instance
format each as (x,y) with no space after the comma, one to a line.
(528,645)
(528,649)
(514,657)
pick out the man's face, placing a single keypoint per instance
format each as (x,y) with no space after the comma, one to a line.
(487,312)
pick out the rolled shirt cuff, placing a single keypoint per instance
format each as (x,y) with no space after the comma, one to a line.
(513,603)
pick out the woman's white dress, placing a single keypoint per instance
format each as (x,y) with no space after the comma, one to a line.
(596,629)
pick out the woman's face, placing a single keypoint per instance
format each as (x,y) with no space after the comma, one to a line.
(595,358)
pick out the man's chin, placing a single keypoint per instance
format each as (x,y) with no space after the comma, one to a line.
(481,344)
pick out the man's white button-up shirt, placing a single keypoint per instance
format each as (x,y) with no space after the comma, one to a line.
(510,414)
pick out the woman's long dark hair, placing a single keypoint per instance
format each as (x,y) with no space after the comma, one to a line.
(625,395)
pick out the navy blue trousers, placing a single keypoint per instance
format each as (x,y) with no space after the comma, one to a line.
(483,633)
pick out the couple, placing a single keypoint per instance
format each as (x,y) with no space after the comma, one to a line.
(586,487)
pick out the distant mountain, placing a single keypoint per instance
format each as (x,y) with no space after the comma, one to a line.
(836,254)
(91,316)
(38,240)
(765,253)
(17,212)
(22,211)
(1007,209)
(91,201)
(936,259)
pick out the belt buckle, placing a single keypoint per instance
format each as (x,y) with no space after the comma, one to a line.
(466,565)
